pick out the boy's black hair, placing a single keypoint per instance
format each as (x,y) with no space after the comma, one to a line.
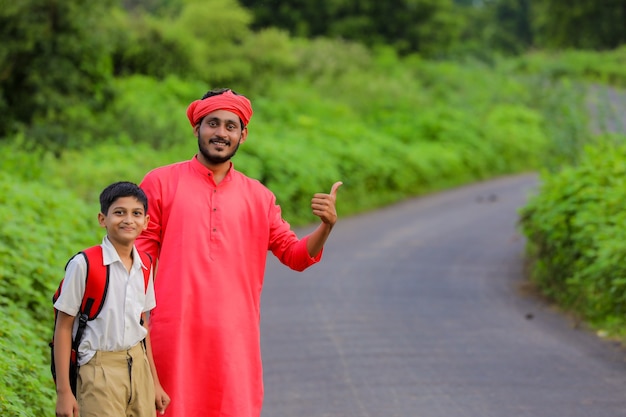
(121,189)
(217,92)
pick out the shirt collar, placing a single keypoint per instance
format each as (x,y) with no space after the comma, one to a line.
(110,255)
(206,172)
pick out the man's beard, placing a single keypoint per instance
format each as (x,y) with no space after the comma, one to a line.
(215,159)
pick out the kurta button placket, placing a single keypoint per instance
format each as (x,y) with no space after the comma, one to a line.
(214,229)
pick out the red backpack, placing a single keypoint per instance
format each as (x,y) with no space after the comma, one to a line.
(96,286)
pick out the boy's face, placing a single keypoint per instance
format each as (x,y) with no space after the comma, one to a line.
(125,220)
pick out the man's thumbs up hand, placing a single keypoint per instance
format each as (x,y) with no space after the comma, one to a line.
(323,205)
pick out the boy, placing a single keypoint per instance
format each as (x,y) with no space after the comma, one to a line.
(117,376)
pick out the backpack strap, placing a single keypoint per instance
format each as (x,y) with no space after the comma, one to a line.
(146,259)
(96,288)
(96,284)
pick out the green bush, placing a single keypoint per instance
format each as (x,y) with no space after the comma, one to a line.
(517,137)
(151,112)
(576,235)
(608,67)
(40,229)
(26,385)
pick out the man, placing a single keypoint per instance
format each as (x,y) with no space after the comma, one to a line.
(210,229)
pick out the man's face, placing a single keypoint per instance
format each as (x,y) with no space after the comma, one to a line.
(219,135)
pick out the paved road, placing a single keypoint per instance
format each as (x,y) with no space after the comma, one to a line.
(417,311)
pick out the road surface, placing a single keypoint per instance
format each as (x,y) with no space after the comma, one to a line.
(418,310)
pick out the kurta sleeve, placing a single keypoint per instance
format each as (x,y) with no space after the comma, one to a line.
(286,246)
(150,240)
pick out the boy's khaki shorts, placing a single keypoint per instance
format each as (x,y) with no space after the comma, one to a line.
(116,384)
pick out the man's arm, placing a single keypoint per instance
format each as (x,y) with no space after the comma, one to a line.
(150,239)
(323,206)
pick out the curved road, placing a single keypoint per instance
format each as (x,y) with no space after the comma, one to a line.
(418,310)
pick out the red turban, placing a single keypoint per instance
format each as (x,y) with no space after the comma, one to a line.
(229,101)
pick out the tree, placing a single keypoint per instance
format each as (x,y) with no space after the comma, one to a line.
(587,24)
(54,57)
(509,26)
(429,27)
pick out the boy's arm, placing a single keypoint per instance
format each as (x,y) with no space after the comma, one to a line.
(66,402)
(161,400)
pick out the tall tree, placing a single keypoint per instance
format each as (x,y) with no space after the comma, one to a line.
(589,24)
(426,26)
(509,25)
(54,55)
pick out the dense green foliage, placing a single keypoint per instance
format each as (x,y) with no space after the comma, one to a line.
(577,239)
(54,66)
(573,225)
(448,28)
(599,67)
(431,27)
(95,93)
(40,228)
(585,24)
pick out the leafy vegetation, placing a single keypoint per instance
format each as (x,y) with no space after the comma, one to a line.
(575,24)
(55,66)
(576,238)
(41,227)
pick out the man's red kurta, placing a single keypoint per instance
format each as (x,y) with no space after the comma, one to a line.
(211,241)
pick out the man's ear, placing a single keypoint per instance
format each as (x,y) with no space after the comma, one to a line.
(196,128)
(244,135)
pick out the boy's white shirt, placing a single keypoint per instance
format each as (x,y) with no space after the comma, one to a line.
(117,326)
